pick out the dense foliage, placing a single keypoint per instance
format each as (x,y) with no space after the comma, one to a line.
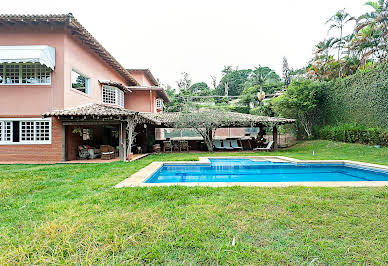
(300,102)
(367,43)
(353,133)
(361,98)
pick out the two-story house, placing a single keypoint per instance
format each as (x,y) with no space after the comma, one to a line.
(52,64)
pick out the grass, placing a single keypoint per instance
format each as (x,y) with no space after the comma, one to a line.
(71,214)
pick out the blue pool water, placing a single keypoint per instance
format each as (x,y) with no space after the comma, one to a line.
(246,170)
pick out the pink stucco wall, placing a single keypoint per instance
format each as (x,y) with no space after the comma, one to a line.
(34,99)
(141,101)
(141,78)
(84,61)
(16,100)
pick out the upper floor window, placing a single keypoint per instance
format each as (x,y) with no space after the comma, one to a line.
(80,82)
(24,74)
(112,95)
(159,103)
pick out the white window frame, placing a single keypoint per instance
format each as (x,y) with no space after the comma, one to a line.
(3,134)
(159,104)
(87,82)
(20,120)
(119,96)
(2,83)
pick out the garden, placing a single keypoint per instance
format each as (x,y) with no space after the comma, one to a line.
(66,214)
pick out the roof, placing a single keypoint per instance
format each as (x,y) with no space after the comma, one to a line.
(228,119)
(92,109)
(160,91)
(77,30)
(115,84)
(147,72)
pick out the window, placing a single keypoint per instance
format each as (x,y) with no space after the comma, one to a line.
(79,82)
(25,73)
(42,130)
(5,131)
(159,103)
(112,95)
(25,131)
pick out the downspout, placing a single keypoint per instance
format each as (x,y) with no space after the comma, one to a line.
(151,111)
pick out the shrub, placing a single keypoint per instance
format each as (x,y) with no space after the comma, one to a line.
(353,134)
(361,98)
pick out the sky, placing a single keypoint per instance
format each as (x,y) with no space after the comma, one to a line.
(200,37)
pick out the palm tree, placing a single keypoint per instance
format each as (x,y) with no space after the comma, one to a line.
(338,21)
(371,32)
(323,47)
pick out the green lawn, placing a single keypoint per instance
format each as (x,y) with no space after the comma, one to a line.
(71,214)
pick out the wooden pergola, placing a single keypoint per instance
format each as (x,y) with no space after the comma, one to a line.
(224,120)
(126,120)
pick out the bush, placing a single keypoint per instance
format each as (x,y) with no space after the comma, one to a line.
(353,134)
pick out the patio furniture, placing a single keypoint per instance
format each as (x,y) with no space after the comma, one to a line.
(217,144)
(94,153)
(83,152)
(107,152)
(86,152)
(176,145)
(156,148)
(184,145)
(268,148)
(167,146)
(235,144)
(227,145)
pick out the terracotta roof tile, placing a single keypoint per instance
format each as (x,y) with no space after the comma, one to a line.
(93,109)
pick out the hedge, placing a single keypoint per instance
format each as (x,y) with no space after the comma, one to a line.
(353,134)
(360,99)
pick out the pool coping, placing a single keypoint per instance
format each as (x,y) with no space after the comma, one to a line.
(138,179)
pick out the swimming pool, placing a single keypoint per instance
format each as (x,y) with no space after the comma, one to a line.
(246,170)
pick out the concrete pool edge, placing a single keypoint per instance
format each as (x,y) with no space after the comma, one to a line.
(138,179)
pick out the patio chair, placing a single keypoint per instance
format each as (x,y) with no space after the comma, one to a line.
(235,145)
(176,145)
(184,145)
(217,144)
(156,148)
(83,152)
(227,145)
(268,148)
(167,146)
(107,152)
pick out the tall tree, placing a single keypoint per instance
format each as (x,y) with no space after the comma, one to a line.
(214,81)
(235,78)
(199,87)
(371,33)
(286,73)
(184,82)
(300,101)
(338,21)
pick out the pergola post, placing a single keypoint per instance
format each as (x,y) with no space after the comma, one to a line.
(123,141)
(275,137)
(131,124)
